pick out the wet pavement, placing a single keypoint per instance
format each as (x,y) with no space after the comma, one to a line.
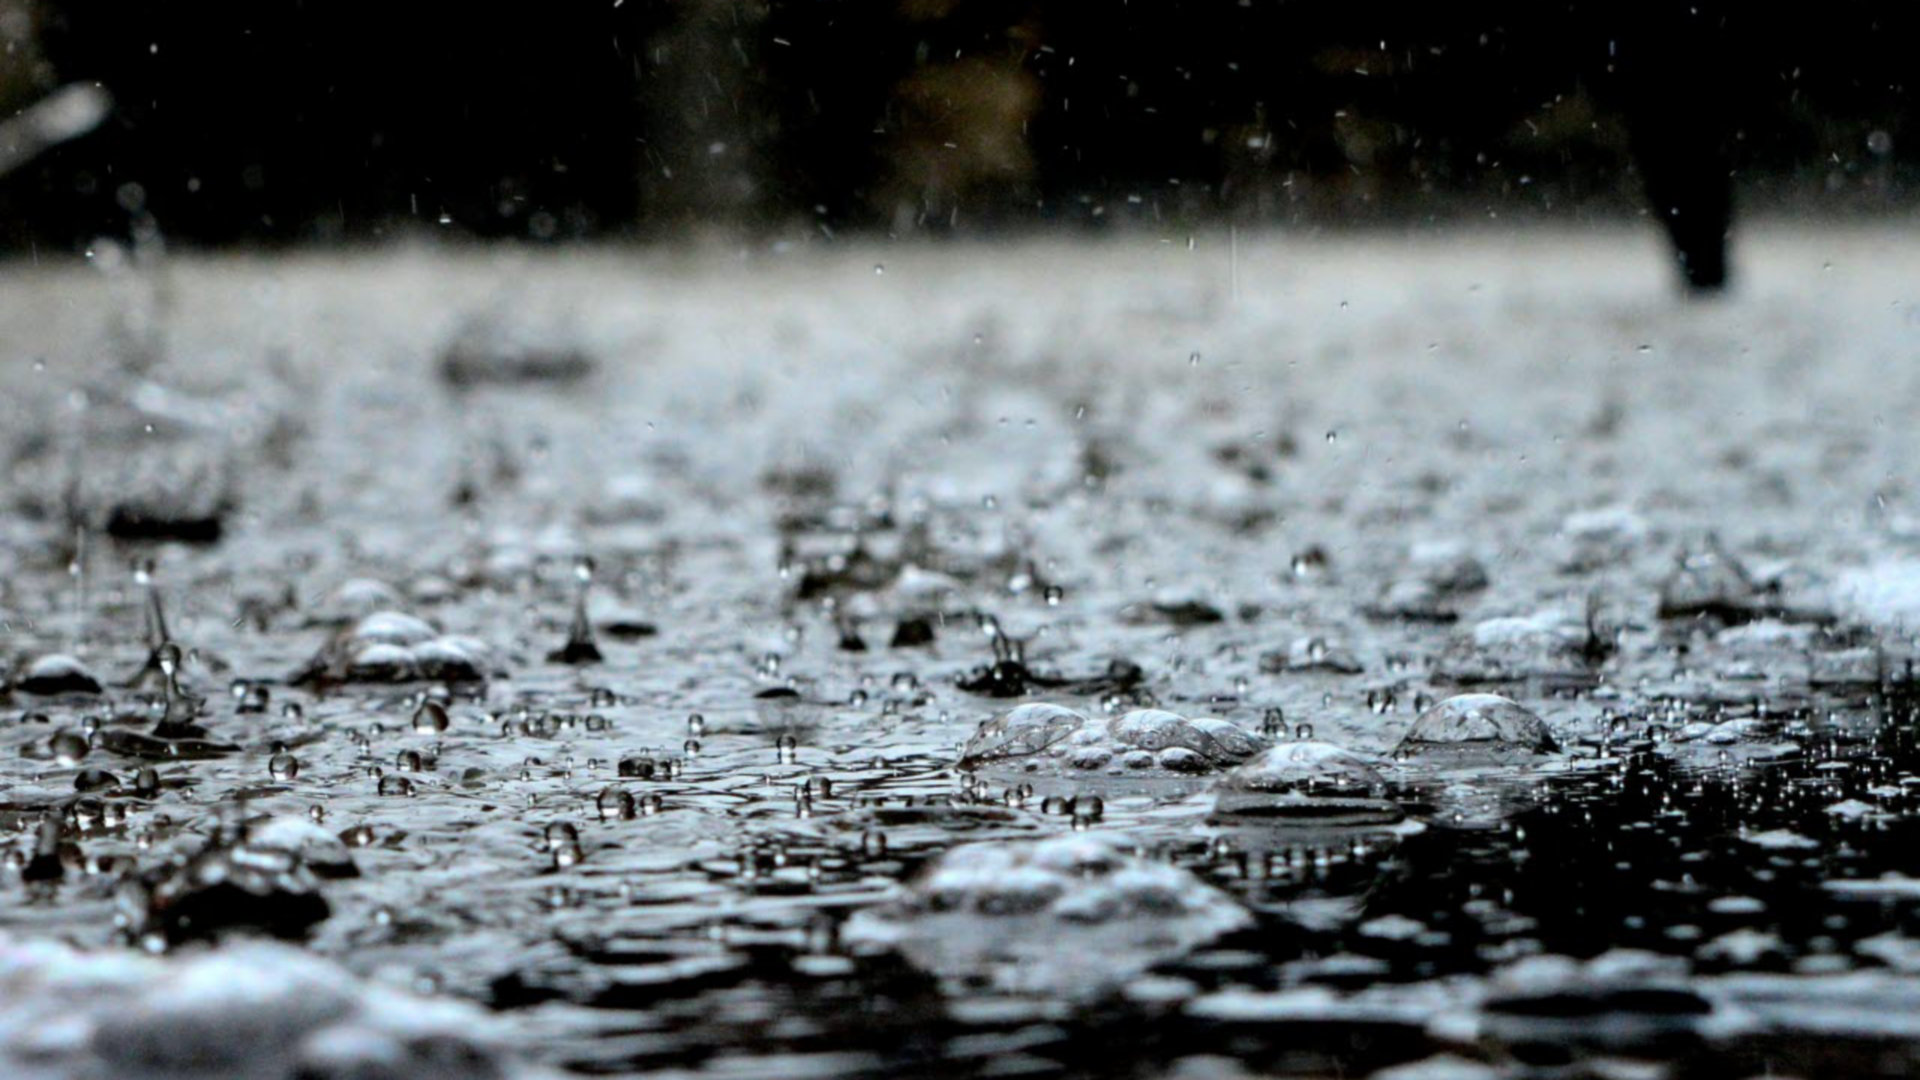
(1453,656)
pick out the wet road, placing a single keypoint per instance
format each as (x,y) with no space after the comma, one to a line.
(843,506)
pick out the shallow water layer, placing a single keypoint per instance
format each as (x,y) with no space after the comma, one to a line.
(592,636)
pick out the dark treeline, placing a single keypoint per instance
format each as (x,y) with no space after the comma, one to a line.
(271,120)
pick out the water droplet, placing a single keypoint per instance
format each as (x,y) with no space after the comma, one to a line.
(580,647)
(1479,723)
(68,747)
(614,804)
(431,718)
(254,698)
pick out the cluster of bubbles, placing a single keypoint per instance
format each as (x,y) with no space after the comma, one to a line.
(395,647)
(1032,737)
(1069,914)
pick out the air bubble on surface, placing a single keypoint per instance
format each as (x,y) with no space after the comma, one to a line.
(254,1008)
(57,673)
(1305,782)
(1480,726)
(1071,915)
(393,647)
(1549,643)
(1033,737)
(1708,581)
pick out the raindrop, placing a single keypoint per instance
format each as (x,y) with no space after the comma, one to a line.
(580,647)
(68,747)
(1480,724)
(250,697)
(431,718)
(614,804)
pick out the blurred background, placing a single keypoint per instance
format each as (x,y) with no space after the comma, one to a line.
(294,121)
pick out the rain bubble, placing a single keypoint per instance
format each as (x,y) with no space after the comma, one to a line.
(1479,725)
(614,804)
(1069,915)
(1306,782)
(1142,741)
(57,673)
(431,718)
(68,746)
